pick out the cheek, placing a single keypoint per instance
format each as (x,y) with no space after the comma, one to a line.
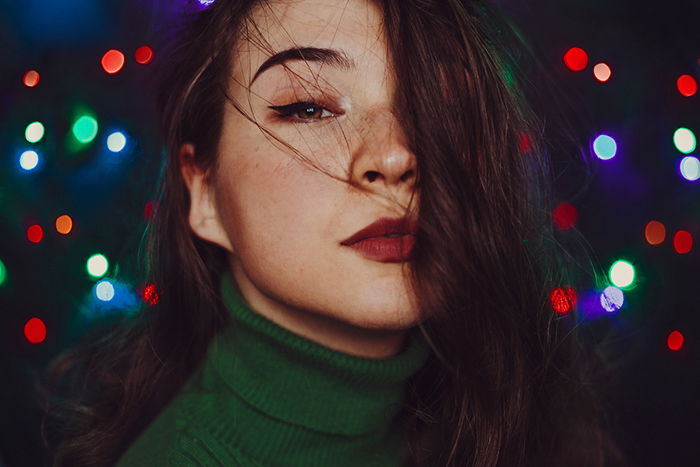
(275,205)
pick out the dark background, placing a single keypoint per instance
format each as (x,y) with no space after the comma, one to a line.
(648,45)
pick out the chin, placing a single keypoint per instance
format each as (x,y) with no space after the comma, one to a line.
(388,311)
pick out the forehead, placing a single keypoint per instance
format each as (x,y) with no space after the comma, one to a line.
(353,26)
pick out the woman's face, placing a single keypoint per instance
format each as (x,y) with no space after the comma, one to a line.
(282,220)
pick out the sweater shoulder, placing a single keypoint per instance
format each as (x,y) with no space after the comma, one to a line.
(180,436)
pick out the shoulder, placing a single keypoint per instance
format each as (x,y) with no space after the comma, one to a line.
(176,439)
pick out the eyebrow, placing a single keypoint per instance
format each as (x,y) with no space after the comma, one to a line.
(333,57)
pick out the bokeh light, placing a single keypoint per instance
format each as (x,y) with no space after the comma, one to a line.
(205,3)
(35,331)
(28,160)
(34,132)
(64,224)
(31,78)
(563,299)
(564,216)
(149,294)
(149,210)
(684,140)
(116,141)
(576,59)
(690,168)
(687,85)
(97,265)
(604,147)
(104,290)
(524,143)
(3,272)
(85,129)
(675,340)
(112,61)
(682,242)
(35,233)
(621,273)
(602,72)
(612,299)
(655,232)
(143,55)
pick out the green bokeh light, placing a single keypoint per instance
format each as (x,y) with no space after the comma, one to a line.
(684,140)
(97,265)
(3,272)
(621,274)
(34,132)
(85,129)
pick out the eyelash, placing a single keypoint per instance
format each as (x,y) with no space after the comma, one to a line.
(286,112)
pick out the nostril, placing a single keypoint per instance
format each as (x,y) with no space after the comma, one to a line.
(407,175)
(372,176)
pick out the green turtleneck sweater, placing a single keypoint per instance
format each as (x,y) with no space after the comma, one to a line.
(265,396)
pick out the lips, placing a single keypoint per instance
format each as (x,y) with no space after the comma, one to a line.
(383,227)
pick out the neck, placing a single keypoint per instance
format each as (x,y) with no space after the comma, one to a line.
(322,329)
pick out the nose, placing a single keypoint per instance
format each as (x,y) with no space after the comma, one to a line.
(383,162)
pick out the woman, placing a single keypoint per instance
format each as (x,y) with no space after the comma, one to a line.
(353,251)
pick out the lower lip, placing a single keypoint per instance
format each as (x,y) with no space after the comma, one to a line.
(386,249)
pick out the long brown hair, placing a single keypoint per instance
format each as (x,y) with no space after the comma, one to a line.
(509,383)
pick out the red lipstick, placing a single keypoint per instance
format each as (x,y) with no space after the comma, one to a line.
(386,240)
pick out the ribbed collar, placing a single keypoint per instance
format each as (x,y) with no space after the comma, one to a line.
(300,382)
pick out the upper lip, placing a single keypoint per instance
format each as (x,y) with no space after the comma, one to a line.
(383,226)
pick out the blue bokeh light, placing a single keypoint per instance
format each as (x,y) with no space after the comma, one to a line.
(604,147)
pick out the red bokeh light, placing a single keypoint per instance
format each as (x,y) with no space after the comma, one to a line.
(35,233)
(112,61)
(149,294)
(143,55)
(565,216)
(524,142)
(682,242)
(563,299)
(576,59)
(687,85)
(31,78)
(149,211)
(675,340)
(35,331)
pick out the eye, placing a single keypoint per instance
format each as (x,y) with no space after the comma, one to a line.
(302,112)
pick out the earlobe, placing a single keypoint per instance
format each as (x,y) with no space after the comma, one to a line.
(203,215)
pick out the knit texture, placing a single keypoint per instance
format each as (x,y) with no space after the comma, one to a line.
(265,396)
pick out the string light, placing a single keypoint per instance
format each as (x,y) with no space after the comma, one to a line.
(655,232)
(64,224)
(576,59)
(602,72)
(143,55)
(31,78)
(604,147)
(112,61)
(35,331)
(687,85)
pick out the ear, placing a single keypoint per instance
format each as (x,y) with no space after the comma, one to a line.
(203,216)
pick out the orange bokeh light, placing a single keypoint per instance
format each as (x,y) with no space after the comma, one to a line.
(64,224)
(655,232)
(112,61)
(31,78)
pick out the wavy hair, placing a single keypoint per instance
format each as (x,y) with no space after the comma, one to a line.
(509,383)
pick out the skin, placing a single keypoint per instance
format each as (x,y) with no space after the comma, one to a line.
(283,220)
